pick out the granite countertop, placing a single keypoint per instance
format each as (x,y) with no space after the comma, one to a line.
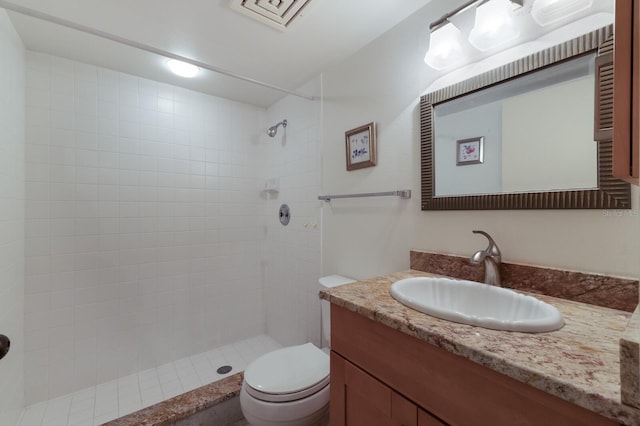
(179,409)
(579,363)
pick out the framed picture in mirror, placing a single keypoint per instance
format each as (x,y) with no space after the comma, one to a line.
(469,151)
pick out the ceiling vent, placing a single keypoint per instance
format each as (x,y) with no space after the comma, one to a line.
(275,13)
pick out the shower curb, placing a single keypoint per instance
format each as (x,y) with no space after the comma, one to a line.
(215,403)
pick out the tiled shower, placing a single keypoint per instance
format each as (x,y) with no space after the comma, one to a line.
(149,237)
(142,232)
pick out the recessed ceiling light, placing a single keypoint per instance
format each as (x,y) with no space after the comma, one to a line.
(182,69)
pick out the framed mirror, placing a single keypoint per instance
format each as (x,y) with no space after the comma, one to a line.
(532,134)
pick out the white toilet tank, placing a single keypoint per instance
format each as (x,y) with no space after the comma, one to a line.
(327,283)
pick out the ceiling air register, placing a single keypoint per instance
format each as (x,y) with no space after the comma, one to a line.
(275,13)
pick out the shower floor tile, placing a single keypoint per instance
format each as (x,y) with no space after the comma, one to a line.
(107,401)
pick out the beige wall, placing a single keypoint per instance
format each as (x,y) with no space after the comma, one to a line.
(367,237)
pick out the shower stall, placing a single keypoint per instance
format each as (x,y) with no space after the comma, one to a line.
(147,236)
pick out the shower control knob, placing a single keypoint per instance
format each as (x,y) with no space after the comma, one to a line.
(5,343)
(284,214)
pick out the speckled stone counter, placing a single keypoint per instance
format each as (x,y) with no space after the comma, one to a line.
(630,361)
(205,405)
(579,363)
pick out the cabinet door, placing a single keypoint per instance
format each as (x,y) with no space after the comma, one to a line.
(368,401)
(426,419)
(626,106)
(358,399)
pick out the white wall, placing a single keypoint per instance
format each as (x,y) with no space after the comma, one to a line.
(142,223)
(480,121)
(291,256)
(562,155)
(367,237)
(12,172)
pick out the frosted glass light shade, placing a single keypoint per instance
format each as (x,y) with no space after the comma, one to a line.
(547,12)
(493,26)
(445,50)
(182,69)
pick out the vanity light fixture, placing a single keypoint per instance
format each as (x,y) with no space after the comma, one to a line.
(494,26)
(445,49)
(547,12)
(182,69)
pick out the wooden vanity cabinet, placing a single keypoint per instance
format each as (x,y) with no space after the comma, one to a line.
(626,91)
(380,376)
(370,402)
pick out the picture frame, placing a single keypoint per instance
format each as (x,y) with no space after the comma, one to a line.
(470,151)
(360,146)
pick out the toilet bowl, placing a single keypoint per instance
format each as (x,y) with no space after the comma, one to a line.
(290,386)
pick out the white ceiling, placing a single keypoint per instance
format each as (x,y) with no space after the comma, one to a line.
(211,32)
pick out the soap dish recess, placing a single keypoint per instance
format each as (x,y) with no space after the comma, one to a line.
(272,186)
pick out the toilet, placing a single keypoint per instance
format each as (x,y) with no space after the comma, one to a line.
(290,386)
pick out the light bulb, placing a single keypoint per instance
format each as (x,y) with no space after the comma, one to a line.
(493,26)
(445,50)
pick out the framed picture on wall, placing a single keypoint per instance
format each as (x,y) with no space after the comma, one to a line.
(470,151)
(361,146)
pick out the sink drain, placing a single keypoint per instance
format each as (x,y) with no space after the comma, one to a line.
(224,369)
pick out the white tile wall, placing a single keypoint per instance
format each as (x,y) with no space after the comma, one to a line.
(12,175)
(143,224)
(292,253)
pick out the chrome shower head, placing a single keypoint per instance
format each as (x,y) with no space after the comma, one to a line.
(274,129)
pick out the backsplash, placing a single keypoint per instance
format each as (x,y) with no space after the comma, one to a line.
(600,290)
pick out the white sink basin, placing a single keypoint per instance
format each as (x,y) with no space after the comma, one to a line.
(477,304)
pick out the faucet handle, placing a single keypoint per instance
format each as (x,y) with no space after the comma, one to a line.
(477,231)
(493,247)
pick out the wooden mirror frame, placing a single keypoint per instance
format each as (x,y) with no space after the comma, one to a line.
(611,193)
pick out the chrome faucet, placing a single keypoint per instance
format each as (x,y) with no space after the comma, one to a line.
(491,257)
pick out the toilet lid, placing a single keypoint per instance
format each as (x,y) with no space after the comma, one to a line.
(288,373)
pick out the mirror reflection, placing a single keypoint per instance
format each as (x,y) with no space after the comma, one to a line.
(528,134)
